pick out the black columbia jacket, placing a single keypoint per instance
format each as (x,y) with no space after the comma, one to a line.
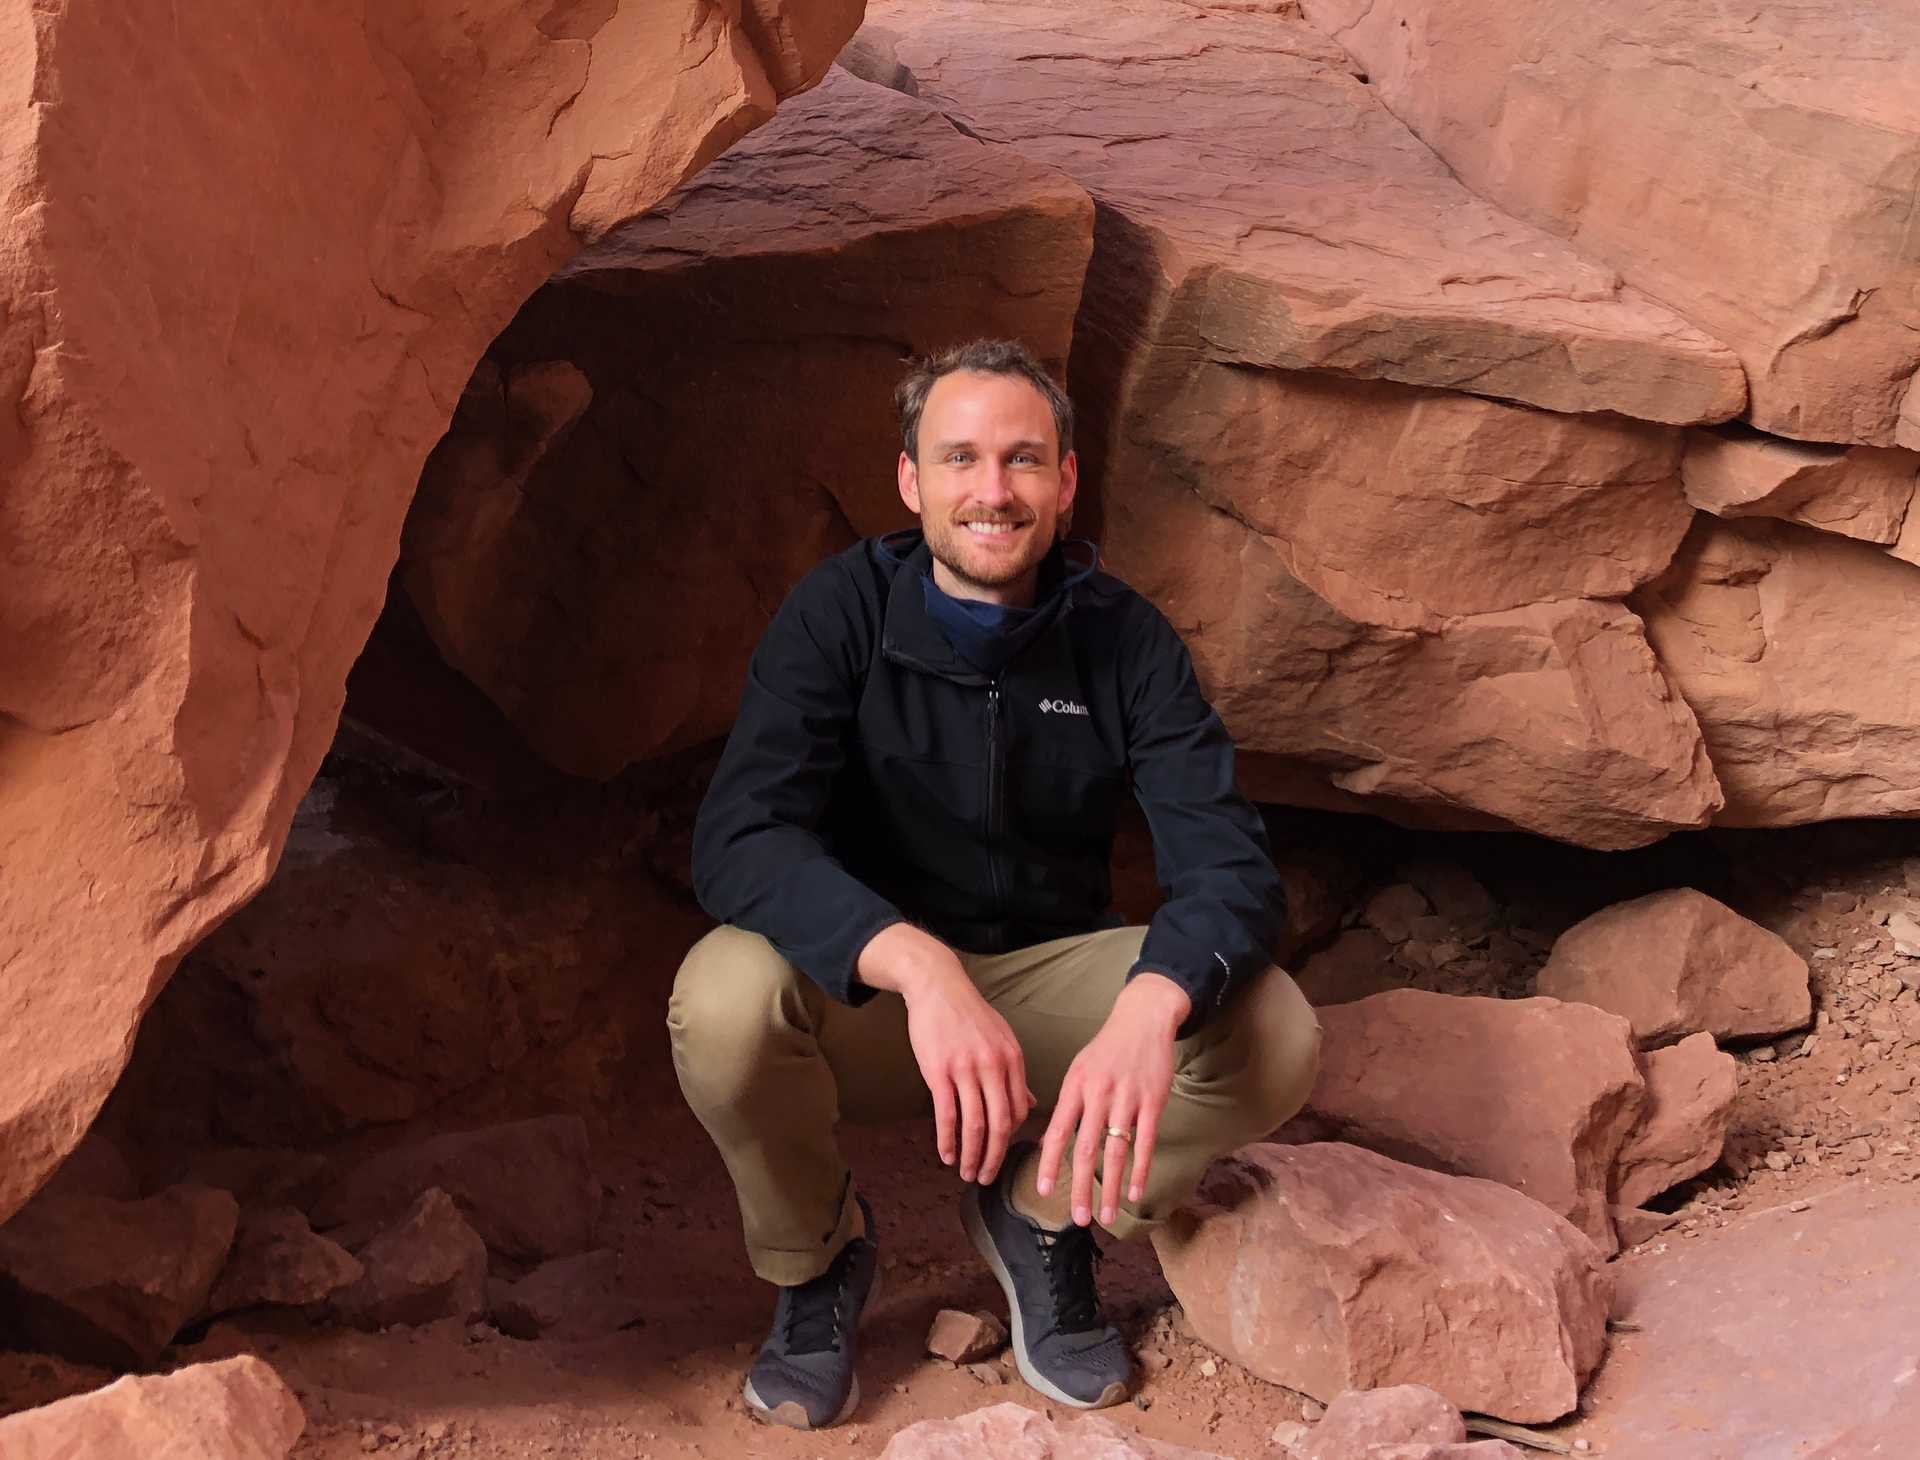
(873,775)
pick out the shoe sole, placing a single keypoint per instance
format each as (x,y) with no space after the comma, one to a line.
(982,1241)
(792,1414)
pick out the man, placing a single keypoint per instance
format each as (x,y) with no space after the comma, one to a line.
(907,843)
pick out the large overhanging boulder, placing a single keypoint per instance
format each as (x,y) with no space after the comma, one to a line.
(247,274)
(699,409)
(1754,167)
(1399,596)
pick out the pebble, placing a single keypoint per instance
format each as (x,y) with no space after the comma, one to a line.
(987,1373)
(1778,1160)
(1209,1367)
(1764,1053)
(1823,954)
(1314,1411)
(1799,1206)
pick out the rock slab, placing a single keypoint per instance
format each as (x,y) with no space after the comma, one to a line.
(238,1409)
(568,1298)
(527,1187)
(1678,962)
(1327,1268)
(1535,1093)
(110,1282)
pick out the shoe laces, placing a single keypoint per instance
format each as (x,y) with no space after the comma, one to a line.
(813,1308)
(1070,1256)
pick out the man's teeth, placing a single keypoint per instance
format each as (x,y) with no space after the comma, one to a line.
(996,528)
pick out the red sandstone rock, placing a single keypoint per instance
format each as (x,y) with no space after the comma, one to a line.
(1399,1415)
(568,1298)
(277,1258)
(427,1266)
(237,1409)
(1477,1450)
(527,1187)
(1691,1087)
(1759,625)
(1636,1224)
(964,1338)
(111,1282)
(1306,531)
(1859,491)
(600,539)
(1328,1268)
(1538,1094)
(1357,965)
(1676,962)
(233,331)
(1014,1432)
(1731,164)
(96,1168)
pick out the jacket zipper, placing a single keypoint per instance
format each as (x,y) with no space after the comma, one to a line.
(996,798)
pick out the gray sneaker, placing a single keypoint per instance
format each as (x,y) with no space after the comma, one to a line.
(803,1376)
(1064,1346)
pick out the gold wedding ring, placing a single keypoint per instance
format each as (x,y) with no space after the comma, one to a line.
(1125,1135)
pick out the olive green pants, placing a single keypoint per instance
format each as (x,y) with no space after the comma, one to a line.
(771,1064)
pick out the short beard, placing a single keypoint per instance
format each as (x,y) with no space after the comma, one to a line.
(945,543)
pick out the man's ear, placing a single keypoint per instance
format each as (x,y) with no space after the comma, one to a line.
(908,476)
(1069,488)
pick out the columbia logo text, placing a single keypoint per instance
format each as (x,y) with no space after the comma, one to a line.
(1061,707)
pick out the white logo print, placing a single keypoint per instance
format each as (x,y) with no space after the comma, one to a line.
(1061,707)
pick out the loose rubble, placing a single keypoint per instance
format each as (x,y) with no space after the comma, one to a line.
(429,1265)
(235,1410)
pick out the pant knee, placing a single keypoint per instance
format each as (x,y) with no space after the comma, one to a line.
(732,999)
(1287,1032)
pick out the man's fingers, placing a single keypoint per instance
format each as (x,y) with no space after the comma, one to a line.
(1053,1145)
(943,1115)
(1086,1154)
(1020,1099)
(999,1126)
(1145,1133)
(1113,1165)
(973,1124)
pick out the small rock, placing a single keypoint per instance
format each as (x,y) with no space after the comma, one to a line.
(987,1373)
(1209,1367)
(567,1298)
(1905,930)
(278,1259)
(1287,1434)
(1313,1410)
(1403,1414)
(1764,1054)
(1391,911)
(1691,1087)
(429,1265)
(1778,1160)
(965,1338)
(238,1407)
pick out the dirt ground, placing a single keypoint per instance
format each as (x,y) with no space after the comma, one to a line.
(1831,1110)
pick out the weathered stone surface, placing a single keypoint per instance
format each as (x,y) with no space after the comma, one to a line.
(1760,626)
(429,1265)
(1202,128)
(110,1282)
(1357,965)
(370,980)
(1400,1414)
(237,1409)
(1859,491)
(1538,1094)
(1328,1268)
(1306,530)
(568,1298)
(963,1338)
(491,1175)
(1476,1450)
(277,1258)
(1636,1224)
(1019,1433)
(1677,962)
(1691,1087)
(233,331)
(1747,168)
(96,1168)
(600,539)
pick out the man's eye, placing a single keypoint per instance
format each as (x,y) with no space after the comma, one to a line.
(1025,458)
(956,457)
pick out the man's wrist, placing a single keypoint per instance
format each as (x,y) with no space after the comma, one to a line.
(904,960)
(1158,998)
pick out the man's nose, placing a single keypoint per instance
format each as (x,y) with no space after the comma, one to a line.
(996,485)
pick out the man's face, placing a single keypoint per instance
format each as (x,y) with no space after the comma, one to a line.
(990,485)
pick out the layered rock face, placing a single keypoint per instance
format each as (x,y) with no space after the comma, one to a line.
(699,409)
(1392,591)
(246,280)
(1755,169)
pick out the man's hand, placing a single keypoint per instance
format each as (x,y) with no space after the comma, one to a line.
(967,1053)
(1119,1082)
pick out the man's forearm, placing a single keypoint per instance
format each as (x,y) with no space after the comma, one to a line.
(1154,999)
